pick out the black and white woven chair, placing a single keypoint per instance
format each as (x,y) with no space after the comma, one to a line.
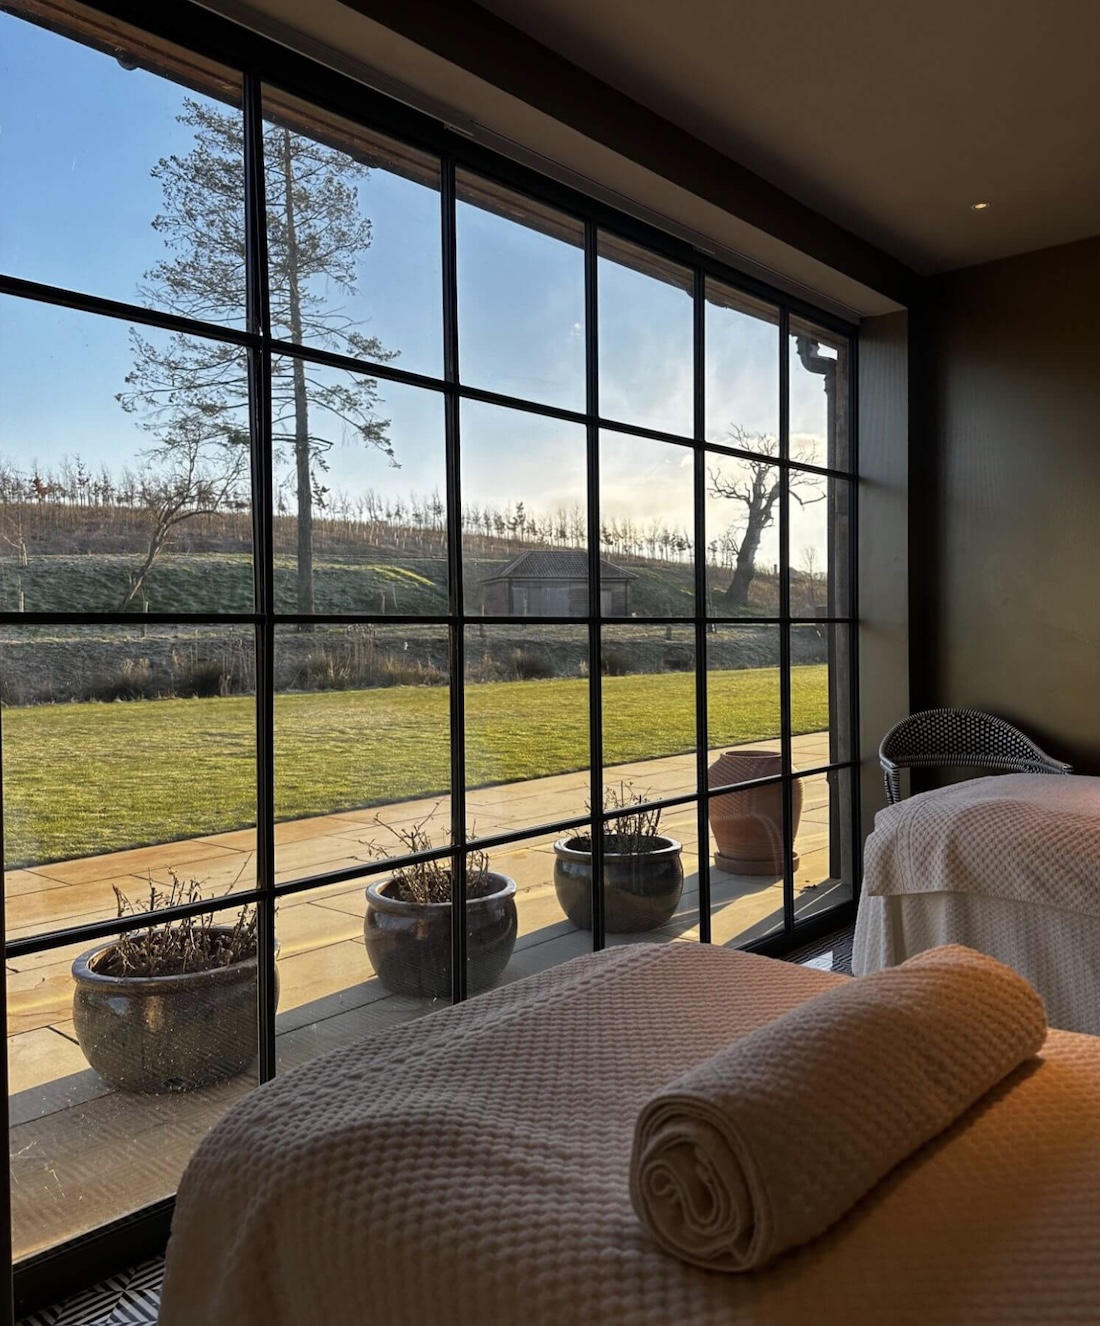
(960,738)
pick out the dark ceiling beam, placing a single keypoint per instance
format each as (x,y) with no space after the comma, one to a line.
(474,39)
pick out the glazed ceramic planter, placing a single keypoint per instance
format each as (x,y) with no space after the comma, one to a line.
(409,944)
(159,1034)
(641,889)
(748,825)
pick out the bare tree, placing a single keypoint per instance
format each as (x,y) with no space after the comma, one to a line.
(201,476)
(756,489)
(811,560)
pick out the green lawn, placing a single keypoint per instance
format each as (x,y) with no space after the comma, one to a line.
(81,779)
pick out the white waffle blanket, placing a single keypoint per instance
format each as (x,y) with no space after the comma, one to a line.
(472,1169)
(1030,838)
(1009,866)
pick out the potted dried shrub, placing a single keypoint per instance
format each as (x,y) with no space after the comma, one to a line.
(643,875)
(170,1007)
(407,926)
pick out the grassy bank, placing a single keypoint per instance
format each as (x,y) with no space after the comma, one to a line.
(81,779)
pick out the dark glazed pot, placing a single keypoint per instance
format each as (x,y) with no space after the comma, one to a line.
(641,889)
(156,1034)
(748,825)
(409,944)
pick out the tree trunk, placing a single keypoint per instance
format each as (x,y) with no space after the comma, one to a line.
(302,457)
(305,490)
(157,539)
(736,595)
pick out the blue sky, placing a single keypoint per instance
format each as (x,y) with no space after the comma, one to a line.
(78,138)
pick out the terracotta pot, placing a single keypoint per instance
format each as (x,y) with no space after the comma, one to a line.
(748,825)
(641,889)
(409,943)
(156,1034)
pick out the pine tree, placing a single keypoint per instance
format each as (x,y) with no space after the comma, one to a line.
(316,235)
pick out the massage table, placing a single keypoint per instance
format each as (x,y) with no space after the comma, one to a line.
(1008,865)
(472,1167)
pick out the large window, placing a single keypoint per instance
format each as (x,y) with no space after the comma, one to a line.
(373,515)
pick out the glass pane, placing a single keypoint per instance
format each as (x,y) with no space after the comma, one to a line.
(524,521)
(819,396)
(820,695)
(648,711)
(354,252)
(742,369)
(128,760)
(126,478)
(133,184)
(520,295)
(360,484)
(746,873)
(646,338)
(823,872)
(820,567)
(330,994)
(526,726)
(651,873)
(744,722)
(362,747)
(744,714)
(545,935)
(742,532)
(647,528)
(107,1102)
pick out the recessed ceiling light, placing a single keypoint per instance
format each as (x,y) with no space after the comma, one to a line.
(978,207)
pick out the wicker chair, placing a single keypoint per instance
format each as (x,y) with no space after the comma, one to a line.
(959,737)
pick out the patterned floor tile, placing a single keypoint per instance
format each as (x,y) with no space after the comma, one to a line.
(830,953)
(129,1299)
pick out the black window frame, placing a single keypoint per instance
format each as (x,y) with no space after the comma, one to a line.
(261,62)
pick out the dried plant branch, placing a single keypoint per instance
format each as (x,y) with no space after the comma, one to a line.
(425,882)
(630,834)
(189,944)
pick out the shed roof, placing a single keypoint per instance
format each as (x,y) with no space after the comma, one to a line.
(557,564)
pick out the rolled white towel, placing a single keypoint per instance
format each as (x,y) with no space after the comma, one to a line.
(769,1142)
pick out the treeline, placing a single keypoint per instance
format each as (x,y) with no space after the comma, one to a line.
(79,508)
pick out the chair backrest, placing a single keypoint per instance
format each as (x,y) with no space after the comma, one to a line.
(958,737)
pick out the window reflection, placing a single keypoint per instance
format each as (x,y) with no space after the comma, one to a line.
(742,368)
(646,338)
(520,295)
(353,238)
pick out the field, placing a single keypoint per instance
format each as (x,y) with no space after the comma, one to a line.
(382,582)
(222,582)
(82,779)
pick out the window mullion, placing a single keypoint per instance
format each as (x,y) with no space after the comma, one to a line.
(595,643)
(259,364)
(456,629)
(785,617)
(699,492)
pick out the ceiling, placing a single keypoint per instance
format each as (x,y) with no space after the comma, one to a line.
(890,118)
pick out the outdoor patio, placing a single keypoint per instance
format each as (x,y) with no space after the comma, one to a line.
(83,1154)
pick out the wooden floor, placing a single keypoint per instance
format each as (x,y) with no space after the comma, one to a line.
(83,1154)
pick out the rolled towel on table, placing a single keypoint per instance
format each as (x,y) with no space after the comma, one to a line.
(769,1142)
